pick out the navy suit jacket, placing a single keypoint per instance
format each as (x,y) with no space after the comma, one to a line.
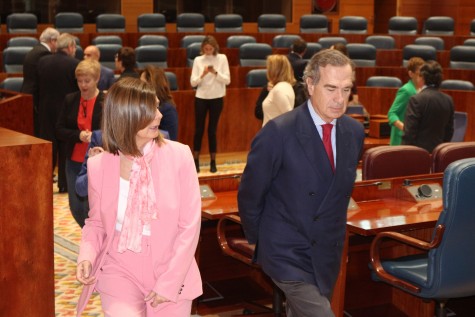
(290,202)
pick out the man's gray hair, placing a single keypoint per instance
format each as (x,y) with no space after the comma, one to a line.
(323,58)
(48,35)
(65,40)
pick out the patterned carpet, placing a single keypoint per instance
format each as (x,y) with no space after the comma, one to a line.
(67,235)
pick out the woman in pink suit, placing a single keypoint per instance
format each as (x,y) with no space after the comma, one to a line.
(138,244)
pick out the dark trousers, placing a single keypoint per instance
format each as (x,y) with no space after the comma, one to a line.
(304,300)
(79,206)
(202,106)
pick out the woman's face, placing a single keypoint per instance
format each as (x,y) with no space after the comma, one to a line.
(87,85)
(208,49)
(150,132)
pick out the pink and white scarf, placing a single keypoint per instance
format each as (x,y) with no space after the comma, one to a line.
(141,203)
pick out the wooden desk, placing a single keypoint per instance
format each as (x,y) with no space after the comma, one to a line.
(16,111)
(382,208)
(225,203)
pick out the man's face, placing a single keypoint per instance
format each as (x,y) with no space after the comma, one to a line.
(89,53)
(330,96)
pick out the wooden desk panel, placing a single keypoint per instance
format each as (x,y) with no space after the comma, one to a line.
(16,111)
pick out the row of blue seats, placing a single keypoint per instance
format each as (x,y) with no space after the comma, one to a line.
(73,22)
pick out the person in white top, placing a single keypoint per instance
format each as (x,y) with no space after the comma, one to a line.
(281,95)
(210,75)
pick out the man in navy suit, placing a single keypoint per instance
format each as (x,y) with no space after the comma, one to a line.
(47,46)
(293,199)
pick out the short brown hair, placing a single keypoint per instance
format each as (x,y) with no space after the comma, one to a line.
(126,55)
(279,69)
(414,64)
(130,105)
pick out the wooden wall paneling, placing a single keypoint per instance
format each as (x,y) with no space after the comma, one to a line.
(16,111)
(131,9)
(26,226)
(415,8)
(363,8)
(383,11)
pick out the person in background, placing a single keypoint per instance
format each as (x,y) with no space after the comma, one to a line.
(81,113)
(138,245)
(210,75)
(280,79)
(297,51)
(397,111)
(107,75)
(56,78)
(156,76)
(125,62)
(47,46)
(293,197)
(354,90)
(429,118)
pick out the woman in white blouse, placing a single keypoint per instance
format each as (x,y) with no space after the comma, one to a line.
(210,75)
(281,95)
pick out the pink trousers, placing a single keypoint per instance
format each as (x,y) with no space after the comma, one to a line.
(126,279)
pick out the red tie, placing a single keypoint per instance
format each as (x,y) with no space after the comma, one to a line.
(327,142)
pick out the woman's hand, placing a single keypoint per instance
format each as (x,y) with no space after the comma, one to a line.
(85,136)
(83,273)
(155,299)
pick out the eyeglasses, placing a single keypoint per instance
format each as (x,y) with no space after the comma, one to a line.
(84,108)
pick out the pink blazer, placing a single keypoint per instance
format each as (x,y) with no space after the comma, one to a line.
(174,234)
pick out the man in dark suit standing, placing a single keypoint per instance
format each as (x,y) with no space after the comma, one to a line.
(56,75)
(295,189)
(46,46)
(429,118)
(297,51)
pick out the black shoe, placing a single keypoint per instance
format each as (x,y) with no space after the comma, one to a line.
(197,165)
(212,166)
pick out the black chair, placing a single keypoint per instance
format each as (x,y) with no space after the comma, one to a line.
(110,22)
(69,22)
(457,84)
(231,23)
(271,23)
(460,126)
(236,246)
(312,49)
(172,80)
(362,54)
(353,25)
(439,25)
(107,39)
(13,58)
(12,83)
(446,268)
(469,42)
(190,22)
(22,41)
(22,23)
(256,78)
(235,41)
(434,41)
(425,52)
(108,53)
(384,81)
(192,50)
(189,39)
(402,25)
(151,22)
(150,39)
(385,42)
(313,23)
(328,41)
(472,27)
(284,40)
(254,54)
(155,55)
(462,56)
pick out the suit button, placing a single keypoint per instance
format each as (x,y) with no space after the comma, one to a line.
(316,218)
(311,194)
(101,268)
(314,243)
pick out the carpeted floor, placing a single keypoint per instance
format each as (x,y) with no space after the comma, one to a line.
(67,235)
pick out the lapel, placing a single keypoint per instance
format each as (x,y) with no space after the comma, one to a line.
(343,142)
(312,144)
(110,195)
